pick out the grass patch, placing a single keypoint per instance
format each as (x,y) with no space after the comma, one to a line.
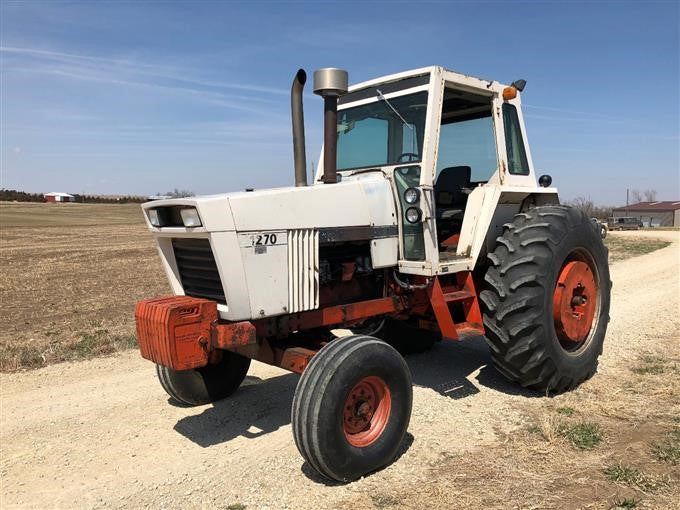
(668,450)
(35,353)
(650,365)
(236,506)
(583,435)
(566,411)
(625,503)
(628,475)
(621,248)
(384,500)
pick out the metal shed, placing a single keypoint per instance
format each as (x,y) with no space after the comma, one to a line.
(652,214)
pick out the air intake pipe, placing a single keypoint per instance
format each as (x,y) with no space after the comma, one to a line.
(330,83)
(297,115)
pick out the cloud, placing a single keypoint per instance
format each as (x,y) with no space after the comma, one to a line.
(574,114)
(115,71)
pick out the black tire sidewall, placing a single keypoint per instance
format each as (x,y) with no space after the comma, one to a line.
(583,237)
(207,384)
(341,458)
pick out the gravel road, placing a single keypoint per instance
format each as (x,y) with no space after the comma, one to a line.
(101,433)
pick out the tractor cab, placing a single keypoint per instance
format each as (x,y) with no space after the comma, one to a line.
(451,146)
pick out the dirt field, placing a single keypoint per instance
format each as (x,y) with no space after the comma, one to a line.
(70,276)
(101,433)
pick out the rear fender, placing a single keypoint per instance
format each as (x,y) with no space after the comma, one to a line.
(489,208)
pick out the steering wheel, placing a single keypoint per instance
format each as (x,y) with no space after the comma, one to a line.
(412,155)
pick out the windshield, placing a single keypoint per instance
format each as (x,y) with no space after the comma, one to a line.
(384,132)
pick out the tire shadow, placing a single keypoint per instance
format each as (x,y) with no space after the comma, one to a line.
(447,366)
(313,475)
(258,407)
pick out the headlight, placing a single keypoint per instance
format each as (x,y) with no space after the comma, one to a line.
(412,195)
(154,219)
(190,217)
(413,214)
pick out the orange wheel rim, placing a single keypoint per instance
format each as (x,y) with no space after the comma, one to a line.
(574,301)
(366,411)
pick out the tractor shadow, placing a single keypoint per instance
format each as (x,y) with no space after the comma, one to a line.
(261,406)
(447,367)
(258,407)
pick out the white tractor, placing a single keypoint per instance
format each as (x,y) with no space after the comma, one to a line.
(425,221)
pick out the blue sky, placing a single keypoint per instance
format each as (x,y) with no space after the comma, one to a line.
(144,97)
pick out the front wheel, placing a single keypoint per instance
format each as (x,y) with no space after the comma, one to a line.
(352,407)
(206,384)
(546,299)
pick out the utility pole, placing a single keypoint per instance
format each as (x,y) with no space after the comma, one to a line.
(627,194)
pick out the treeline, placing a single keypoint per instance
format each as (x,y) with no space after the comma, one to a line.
(94,199)
(12,195)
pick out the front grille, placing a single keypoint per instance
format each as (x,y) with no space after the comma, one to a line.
(197,269)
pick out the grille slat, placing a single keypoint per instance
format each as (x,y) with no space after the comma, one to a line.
(303,269)
(197,269)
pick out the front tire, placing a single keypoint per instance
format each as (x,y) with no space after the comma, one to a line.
(206,384)
(546,297)
(352,407)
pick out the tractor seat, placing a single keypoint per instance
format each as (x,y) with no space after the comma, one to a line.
(451,192)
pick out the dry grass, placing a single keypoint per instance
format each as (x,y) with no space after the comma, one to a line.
(543,464)
(621,248)
(71,274)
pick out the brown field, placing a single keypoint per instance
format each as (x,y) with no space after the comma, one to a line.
(71,274)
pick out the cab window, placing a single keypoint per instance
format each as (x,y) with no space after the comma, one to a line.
(517,156)
(466,135)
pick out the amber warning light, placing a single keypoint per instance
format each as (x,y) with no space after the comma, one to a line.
(511,91)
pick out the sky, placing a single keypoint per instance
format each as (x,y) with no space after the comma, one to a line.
(144,97)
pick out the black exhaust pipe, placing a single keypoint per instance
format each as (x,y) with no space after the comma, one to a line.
(330,83)
(298,117)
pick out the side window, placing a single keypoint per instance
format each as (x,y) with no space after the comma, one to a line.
(517,156)
(468,143)
(414,241)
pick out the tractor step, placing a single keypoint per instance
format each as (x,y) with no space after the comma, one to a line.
(458,295)
(469,329)
(461,292)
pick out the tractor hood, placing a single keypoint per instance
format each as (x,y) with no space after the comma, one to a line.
(363,200)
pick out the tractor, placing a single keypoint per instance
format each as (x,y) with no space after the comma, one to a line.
(425,221)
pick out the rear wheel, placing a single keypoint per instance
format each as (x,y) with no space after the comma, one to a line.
(546,299)
(206,384)
(352,407)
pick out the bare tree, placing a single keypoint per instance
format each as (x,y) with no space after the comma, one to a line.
(584,204)
(649,195)
(180,193)
(636,196)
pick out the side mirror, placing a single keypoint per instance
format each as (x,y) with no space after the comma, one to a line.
(544,180)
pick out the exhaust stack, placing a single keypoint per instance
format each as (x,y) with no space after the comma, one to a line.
(330,83)
(298,118)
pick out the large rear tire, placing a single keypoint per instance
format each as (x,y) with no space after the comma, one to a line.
(207,384)
(546,297)
(352,407)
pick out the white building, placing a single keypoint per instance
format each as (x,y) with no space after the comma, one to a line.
(56,196)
